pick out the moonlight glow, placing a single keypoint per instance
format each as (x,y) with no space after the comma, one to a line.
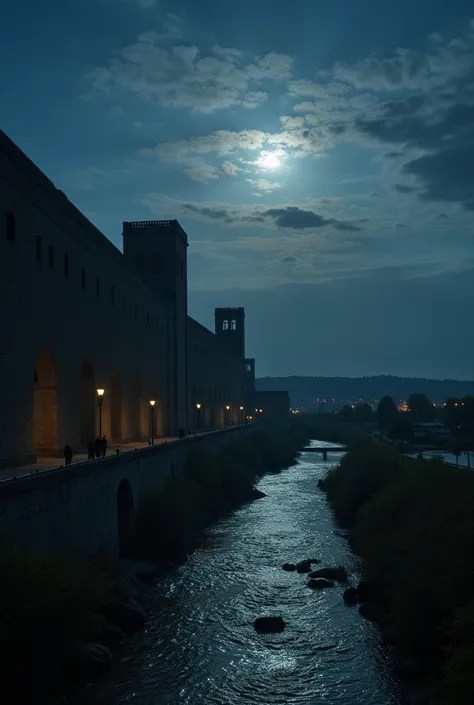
(269,160)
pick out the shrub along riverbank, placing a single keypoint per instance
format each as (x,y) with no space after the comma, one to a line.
(413,528)
(171,519)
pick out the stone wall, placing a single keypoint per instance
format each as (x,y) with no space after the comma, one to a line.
(75,510)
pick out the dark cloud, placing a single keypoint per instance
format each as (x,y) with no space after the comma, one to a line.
(289,260)
(290,217)
(446,175)
(297,218)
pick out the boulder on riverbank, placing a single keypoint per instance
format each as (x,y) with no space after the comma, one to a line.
(254,493)
(339,574)
(350,596)
(289,566)
(89,660)
(303,567)
(127,614)
(269,625)
(319,583)
(370,612)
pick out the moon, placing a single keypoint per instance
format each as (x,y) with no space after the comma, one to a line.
(269,160)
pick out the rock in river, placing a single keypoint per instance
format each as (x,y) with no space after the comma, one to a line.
(303,567)
(338,574)
(289,566)
(319,583)
(267,625)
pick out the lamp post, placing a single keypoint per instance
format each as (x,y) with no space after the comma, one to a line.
(241,415)
(227,415)
(152,407)
(198,407)
(100,399)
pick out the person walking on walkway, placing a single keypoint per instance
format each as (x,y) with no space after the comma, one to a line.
(91,449)
(67,454)
(98,447)
(104,446)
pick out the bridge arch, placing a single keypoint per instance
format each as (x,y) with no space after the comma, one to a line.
(125,517)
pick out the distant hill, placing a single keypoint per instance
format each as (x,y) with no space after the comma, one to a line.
(302,390)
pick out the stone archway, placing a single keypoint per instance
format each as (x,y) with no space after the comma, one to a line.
(116,406)
(125,517)
(87,403)
(45,405)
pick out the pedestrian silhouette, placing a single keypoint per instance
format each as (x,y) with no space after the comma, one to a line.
(91,449)
(98,447)
(67,454)
(104,446)
(181,434)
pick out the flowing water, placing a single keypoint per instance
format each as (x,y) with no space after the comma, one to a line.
(200,645)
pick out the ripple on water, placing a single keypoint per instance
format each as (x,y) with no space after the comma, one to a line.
(200,645)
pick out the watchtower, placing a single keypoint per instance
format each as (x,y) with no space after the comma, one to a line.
(230,328)
(157,250)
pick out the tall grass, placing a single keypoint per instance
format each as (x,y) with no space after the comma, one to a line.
(414,531)
(171,519)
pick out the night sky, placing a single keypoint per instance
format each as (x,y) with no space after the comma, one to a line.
(320,156)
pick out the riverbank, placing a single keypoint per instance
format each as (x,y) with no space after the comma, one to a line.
(61,623)
(413,529)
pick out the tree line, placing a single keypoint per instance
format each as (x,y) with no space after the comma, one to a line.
(456,414)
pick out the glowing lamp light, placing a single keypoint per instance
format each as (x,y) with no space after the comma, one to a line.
(100,391)
(227,407)
(152,402)
(241,408)
(198,406)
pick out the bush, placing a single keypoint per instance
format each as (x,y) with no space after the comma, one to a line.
(362,472)
(414,532)
(46,605)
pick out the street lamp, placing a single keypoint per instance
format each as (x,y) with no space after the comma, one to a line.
(227,415)
(241,415)
(198,407)
(152,407)
(100,399)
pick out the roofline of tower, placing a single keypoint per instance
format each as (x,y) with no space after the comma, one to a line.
(156,224)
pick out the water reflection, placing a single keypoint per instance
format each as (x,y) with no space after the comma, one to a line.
(200,646)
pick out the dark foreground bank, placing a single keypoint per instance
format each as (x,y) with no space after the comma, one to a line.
(60,623)
(412,524)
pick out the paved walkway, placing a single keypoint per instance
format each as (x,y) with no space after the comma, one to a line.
(45,464)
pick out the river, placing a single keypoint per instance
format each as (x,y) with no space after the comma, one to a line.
(200,646)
